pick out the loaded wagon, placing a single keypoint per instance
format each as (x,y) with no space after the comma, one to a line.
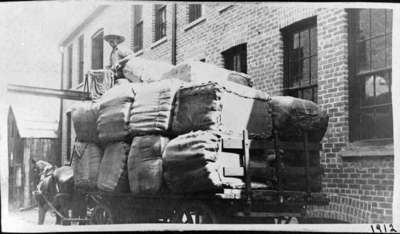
(231,153)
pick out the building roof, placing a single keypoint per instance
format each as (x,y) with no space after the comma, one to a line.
(34,124)
(81,25)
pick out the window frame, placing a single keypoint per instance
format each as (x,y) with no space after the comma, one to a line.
(70,51)
(287,35)
(160,22)
(96,36)
(137,27)
(81,54)
(229,57)
(356,79)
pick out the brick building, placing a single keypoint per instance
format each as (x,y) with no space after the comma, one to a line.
(339,58)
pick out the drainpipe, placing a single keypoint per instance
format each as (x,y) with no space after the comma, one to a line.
(173,47)
(61,119)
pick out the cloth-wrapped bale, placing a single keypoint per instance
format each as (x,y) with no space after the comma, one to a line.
(189,163)
(229,109)
(292,115)
(193,162)
(145,164)
(113,174)
(199,72)
(143,70)
(114,113)
(84,116)
(152,108)
(85,163)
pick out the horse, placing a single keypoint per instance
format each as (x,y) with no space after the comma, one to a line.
(55,188)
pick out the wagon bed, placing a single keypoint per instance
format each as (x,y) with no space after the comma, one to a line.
(223,206)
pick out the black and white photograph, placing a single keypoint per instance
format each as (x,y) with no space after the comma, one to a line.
(163,115)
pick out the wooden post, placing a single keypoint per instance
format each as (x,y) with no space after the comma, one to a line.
(246,153)
(307,169)
(4,167)
(278,167)
(26,167)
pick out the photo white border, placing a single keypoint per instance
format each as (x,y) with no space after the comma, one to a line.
(10,227)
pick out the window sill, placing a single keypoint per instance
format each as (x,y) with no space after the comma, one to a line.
(159,42)
(194,23)
(138,53)
(224,8)
(368,149)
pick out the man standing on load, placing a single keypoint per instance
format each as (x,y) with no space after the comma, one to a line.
(118,56)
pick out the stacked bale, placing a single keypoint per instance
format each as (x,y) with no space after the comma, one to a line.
(143,70)
(113,127)
(189,163)
(291,118)
(145,164)
(86,155)
(86,163)
(199,72)
(228,109)
(149,124)
(152,108)
(84,116)
(113,175)
(193,162)
(136,124)
(114,113)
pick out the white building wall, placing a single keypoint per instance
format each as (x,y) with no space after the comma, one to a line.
(114,19)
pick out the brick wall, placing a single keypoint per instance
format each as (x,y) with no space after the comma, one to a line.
(360,188)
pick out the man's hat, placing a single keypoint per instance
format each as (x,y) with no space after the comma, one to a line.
(110,36)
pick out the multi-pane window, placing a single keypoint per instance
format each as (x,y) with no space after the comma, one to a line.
(370,60)
(235,58)
(194,12)
(80,60)
(138,28)
(69,67)
(97,50)
(300,59)
(160,21)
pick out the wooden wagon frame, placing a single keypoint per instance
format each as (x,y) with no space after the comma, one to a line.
(227,206)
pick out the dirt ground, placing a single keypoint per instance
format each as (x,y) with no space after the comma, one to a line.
(30,217)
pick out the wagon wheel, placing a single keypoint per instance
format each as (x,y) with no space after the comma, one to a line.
(195,213)
(286,220)
(102,215)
